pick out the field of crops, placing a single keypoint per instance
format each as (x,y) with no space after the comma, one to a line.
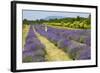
(43,44)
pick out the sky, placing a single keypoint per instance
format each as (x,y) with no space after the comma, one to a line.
(34,15)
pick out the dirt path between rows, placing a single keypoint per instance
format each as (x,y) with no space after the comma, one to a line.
(53,52)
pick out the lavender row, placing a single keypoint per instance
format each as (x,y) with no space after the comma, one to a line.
(33,48)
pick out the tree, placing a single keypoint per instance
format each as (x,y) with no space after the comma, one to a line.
(78,18)
(89,19)
(25,21)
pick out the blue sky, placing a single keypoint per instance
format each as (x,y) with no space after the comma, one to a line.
(34,15)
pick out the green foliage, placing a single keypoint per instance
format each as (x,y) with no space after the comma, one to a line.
(76,23)
(27,59)
(81,40)
(25,21)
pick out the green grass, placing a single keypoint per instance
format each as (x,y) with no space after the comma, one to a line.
(24,34)
(28,59)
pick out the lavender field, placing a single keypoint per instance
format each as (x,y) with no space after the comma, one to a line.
(75,43)
(56,38)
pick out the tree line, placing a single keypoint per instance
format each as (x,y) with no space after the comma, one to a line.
(78,22)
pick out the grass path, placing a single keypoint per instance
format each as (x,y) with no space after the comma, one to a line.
(53,52)
(24,34)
